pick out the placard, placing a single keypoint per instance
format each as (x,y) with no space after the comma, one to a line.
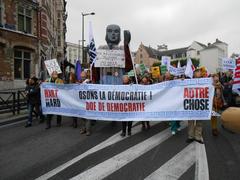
(155,72)
(52,65)
(228,63)
(110,58)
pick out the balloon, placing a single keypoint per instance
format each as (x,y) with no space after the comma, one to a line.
(231,119)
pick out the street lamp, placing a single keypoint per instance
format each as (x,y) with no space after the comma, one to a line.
(79,46)
(83,15)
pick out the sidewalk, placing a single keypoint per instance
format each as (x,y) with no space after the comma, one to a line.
(8,118)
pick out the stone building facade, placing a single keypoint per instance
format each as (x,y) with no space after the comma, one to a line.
(73,52)
(31,31)
(209,55)
(18,42)
(52,32)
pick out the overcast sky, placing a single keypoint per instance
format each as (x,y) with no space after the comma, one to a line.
(176,23)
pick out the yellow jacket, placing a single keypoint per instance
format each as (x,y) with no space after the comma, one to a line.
(57,81)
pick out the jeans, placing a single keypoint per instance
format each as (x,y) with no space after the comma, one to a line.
(85,125)
(195,130)
(175,125)
(30,111)
(49,119)
(126,124)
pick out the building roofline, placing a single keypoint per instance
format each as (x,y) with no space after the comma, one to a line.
(201,44)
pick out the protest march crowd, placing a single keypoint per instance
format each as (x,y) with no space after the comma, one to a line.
(223,98)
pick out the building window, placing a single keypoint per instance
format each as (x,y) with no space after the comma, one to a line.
(59,23)
(141,56)
(183,55)
(22,64)
(24,19)
(59,41)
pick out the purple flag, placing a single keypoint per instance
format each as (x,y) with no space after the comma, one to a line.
(78,70)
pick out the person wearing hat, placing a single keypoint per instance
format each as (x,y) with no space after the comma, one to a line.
(54,79)
(195,126)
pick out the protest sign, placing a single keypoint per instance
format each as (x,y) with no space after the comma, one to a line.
(155,72)
(228,63)
(236,82)
(166,61)
(189,99)
(163,69)
(142,68)
(110,58)
(177,71)
(131,73)
(52,65)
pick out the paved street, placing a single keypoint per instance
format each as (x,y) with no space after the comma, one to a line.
(62,153)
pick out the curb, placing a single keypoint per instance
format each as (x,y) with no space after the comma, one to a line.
(13,120)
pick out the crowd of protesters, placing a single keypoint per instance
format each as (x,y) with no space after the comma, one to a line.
(223,98)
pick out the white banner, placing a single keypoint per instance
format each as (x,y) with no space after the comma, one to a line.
(110,58)
(189,99)
(228,63)
(52,65)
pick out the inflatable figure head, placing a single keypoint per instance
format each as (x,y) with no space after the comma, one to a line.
(113,35)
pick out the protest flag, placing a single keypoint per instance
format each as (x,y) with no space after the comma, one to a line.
(189,69)
(92,47)
(236,81)
(78,70)
(129,64)
(92,50)
(179,64)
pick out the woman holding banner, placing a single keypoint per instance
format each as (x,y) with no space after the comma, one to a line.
(54,79)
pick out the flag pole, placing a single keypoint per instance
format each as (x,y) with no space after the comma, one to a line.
(91,71)
(92,51)
(134,69)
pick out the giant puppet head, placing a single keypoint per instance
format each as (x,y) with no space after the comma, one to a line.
(113,35)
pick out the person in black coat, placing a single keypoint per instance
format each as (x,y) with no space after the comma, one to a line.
(33,100)
(126,124)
